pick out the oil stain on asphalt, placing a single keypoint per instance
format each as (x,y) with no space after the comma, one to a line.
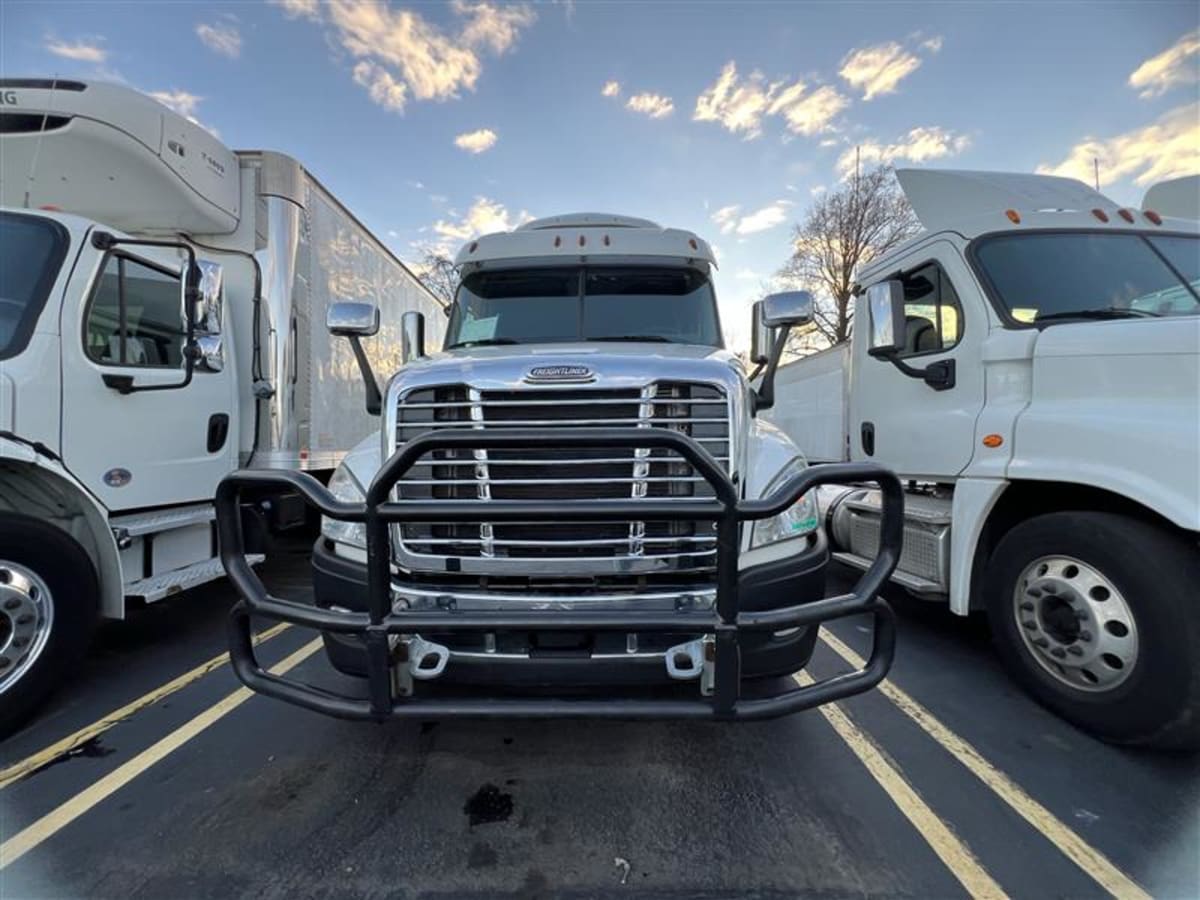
(487,805)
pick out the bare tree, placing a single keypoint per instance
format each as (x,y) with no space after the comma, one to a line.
(439,274)
(864,218)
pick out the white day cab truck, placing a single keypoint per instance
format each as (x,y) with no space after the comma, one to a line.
(1030,367)
(575,493)
(162,304)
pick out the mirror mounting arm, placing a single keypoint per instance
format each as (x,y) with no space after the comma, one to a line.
(374,397)
(764,397)
(938,375)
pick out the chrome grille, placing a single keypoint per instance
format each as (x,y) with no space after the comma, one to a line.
(552,473)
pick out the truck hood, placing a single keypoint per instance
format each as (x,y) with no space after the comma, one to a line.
(1116,405)
(632,364)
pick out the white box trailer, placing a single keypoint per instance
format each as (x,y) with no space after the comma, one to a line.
(161,324)
(811,404)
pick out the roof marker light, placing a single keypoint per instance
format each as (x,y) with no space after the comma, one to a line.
(692,243)
(607,242)
(557,241)
(1126,215)
(1013,216)
(1100,214)
(474,246)
(582,240)
(50,207)
(1152,216)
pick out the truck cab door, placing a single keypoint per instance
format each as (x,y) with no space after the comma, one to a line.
(899,420)
(152,448)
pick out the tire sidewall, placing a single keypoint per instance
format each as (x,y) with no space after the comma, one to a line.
(68,572)
(1129,553)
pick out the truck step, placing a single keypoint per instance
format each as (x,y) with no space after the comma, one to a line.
(163,519)
(159,586)
(910,582)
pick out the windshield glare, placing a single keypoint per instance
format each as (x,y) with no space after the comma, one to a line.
(31,250)
(550,305)
(1040,276)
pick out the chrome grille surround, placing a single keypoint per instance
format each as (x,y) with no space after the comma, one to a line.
(546,551)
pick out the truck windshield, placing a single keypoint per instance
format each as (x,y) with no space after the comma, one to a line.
(613,303)
(31,251)
(1085,275)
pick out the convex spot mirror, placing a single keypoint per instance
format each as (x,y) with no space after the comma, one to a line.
(346,319)
(412,336)
(885,309)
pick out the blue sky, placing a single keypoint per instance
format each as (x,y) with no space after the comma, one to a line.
(432,121)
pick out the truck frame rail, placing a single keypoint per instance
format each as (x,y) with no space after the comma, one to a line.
(723,623)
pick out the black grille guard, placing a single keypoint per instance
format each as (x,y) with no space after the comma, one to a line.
(724,621)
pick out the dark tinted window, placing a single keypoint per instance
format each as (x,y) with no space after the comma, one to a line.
(135,318)
(932,313)
(573,304)
(1184,254)
(1036,276)
(31,252)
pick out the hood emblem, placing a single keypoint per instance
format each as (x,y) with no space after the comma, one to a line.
(560,374)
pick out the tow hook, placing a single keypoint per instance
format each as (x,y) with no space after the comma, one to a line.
(694,659)
(413,657)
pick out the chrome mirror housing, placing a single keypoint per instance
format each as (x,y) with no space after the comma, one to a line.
(346,319)
(787,308)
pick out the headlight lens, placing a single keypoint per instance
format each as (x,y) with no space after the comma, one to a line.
(799,519)
(344,486)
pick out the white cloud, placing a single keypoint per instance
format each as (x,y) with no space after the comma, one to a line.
(933,44)
(81,51)
(476,141)
(610,89)
(493,26)
(656,106)
(746,275)
(381,86)
(730,220)
(1168,148)
(401,56)
(919,145)
(221,37)
(877,70)
(1173,67)
(484,217)
(739,105)
(299,9)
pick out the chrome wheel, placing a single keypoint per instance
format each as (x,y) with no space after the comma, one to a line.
(1075,623)
(26,617)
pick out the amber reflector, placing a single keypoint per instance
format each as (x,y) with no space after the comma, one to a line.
(1013,216)
(992,440)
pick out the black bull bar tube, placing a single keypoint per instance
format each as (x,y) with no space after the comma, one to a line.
(724,622)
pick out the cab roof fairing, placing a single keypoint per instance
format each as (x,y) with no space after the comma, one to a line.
(591,241)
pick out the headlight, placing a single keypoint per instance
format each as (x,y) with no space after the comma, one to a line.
(344,486)
(797,520)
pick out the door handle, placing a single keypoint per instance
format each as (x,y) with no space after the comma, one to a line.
(218,431)
(867,433)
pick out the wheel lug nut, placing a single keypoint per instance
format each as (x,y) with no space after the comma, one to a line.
(1080,615)
(1041,642)
(1027,606)
(1085,636)
(1058,652)
(1030,624)
(1075,651)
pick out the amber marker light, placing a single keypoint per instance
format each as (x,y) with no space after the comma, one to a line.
(1013,216)
(1100,214)
(992,440)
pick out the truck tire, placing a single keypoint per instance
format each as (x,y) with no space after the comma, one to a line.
(1096,615)
(48,592)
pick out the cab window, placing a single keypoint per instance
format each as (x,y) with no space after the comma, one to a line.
(135,317)
(932,312)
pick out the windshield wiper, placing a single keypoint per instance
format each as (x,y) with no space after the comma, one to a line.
(1111,312)
(645,338)
(483,342)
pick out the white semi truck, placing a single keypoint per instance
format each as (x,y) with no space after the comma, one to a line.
(162,305)
(1030,367)
(575,489)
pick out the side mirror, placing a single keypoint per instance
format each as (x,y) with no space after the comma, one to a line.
(352,319)
(885,310)
(778,313)
(412,336)
(207,313)
(787,309)
(760,336)
(210,352)
(355,321)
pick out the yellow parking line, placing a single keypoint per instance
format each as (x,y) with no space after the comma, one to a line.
(956,856)
(1083,854)
(57,819)
(31,763)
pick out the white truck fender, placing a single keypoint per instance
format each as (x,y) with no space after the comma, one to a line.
(66,504)
(974,499)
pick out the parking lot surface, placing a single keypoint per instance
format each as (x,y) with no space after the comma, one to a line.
(156,775)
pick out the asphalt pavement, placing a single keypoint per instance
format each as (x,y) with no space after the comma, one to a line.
(156,775)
